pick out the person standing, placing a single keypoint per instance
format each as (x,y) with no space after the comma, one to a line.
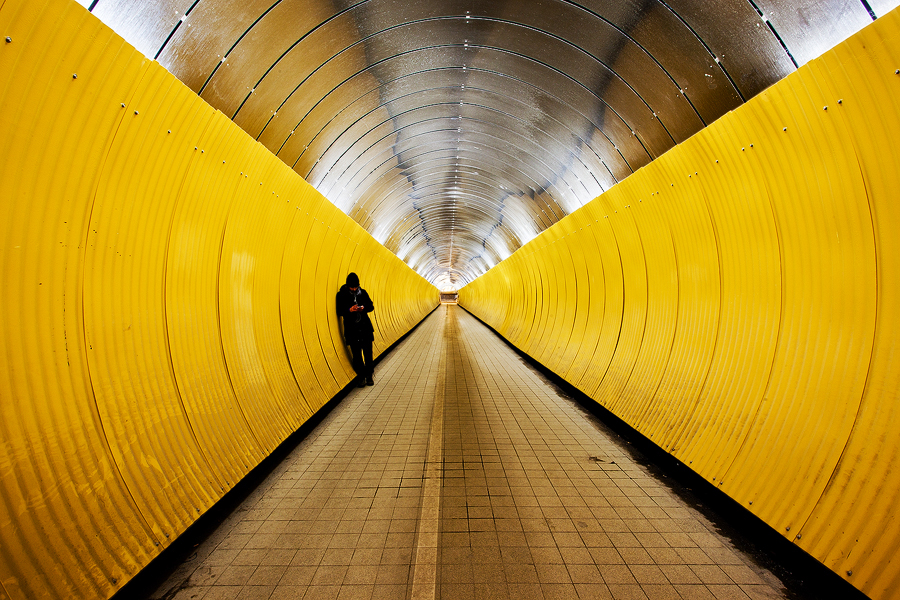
(354,306)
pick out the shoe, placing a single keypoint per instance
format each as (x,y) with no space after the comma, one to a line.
(362,382)
(369,381)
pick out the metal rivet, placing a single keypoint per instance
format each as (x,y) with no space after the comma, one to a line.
(8,40)
(840,101)
(788,528)
(123,105)
(897,72)
(202,151)
(742,149)
(74,75)
(170,131)
(849,573)
(136,112)
(751,145)
(799,535)
(114,580)
(784,129)
(751,502)
(824,108)
(195,147)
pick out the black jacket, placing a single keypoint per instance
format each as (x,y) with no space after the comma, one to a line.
(357,325)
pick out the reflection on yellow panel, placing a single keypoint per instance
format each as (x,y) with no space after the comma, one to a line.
(758,316)
(192,296)
(160,318)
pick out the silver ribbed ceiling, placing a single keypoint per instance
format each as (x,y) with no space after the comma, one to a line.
(454,131)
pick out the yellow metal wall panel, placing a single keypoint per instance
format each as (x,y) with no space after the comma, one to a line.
(308,300)
(60,490)
(249,299)
(342,265)
(549,290)
(864,490)
(626,346)
(119,417)
(192,312)
(588,297)
(750,305)
(124,312)
(295,303)
(605,326)
(566,323)
(829,310)
(697,266)
(776,229)
(655,343)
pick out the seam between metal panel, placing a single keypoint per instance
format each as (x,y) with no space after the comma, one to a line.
(234,45)
(751,423)
(101,167)
(853,430)
(169,361)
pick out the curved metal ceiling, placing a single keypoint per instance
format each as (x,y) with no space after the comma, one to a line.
(455,131)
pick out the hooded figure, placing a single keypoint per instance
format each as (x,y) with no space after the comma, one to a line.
(354,306)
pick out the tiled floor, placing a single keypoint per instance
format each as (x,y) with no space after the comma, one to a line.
(462,474)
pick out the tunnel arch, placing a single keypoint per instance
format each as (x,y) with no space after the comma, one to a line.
(157,328)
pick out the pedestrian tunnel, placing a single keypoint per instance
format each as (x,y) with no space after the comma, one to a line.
(689,218)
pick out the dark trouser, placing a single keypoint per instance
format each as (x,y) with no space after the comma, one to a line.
(362,358)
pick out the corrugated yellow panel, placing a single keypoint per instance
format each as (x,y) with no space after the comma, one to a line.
(552,291)
(625,347)
(662,290)
(192,311)
(750,305)
(588,300)
(265,240)
(828,319)
(567,287)
(684,207)
(249,298)
(68,525)
(376,270)
(294,298)
(124,313)
(534,293)
(852,529)
(604,325)
(509,317)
